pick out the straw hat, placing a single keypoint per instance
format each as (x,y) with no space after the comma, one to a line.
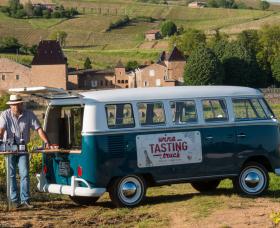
(15,99)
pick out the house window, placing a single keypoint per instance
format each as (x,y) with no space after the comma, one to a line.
(122,81)
(101,82)
(145,83)
(119,81)
(126,81)
(106,82)
(152,73)
(17,77)
(3,77)
(93,83)
(158,82)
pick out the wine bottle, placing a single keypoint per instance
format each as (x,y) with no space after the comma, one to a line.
(22,146)
(14,144)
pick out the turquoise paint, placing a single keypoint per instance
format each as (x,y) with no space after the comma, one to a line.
(106,156)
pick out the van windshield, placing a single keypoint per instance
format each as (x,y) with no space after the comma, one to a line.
(64,126)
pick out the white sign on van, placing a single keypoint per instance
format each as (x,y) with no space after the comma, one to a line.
(168,149)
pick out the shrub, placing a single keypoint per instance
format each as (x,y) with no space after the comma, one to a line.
(203,68)
(168,28)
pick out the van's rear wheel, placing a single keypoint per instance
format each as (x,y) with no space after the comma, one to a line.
(253,179)
(128,191)
(205,186)
(83,200)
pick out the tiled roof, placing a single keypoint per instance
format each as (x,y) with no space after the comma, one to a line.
(119,64)
(89,71)
(49,52)
(176,55)
(154,31)
(162,56)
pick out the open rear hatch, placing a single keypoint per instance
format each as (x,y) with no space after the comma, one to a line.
(45,92)
(61,119)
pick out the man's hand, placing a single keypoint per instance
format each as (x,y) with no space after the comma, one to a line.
(47,145)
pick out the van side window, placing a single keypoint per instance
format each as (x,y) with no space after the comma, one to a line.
(119,116)
(214,110)
(248,109)
(151,113)
(183,111)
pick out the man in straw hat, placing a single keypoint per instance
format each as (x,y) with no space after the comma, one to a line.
(16,122)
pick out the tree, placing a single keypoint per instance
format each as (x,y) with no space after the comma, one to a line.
(241,67)
(250,40)
(10,44)
(87,64)
(38,11)
(212,4)
(203,68)
(59,36)
(28,7)
(187,42)
(131,65)
(264,5)
(275,68)
(4,98)
(168,28)
(46,13)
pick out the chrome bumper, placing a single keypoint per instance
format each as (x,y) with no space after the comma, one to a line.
(71,190)
(277,171)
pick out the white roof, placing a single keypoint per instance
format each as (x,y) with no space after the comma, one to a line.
(175,92)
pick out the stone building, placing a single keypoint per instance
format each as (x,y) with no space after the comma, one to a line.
(152,35)
(49,68)
(168,71)
(49,65)
(13,74)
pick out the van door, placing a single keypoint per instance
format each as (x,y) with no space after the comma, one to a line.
(254,135)
(219,142)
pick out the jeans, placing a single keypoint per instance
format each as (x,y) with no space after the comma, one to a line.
(22,161)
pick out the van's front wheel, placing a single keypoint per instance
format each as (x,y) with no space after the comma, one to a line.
(83,200)
(128,191)
(205,186)
(253,179)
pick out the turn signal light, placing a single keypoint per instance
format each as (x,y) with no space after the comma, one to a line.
(80,171)
(45,169)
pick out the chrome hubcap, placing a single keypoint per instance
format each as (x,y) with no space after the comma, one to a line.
(253,180)
(129,189)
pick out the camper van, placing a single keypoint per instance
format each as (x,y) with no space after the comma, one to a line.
(123,141)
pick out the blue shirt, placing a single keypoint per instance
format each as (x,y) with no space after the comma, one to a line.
(26,121)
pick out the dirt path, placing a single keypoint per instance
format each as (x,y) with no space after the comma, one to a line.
(67,214)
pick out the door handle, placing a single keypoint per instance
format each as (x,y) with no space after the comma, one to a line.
(241,135)
(209,137)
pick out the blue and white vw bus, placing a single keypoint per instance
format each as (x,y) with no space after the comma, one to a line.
(123,141)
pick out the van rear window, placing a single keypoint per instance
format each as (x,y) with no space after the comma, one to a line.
(151,113)
(214,110)
(183,111)
(248,109)
(119,116)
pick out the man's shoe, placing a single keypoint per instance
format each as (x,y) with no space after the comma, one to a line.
(15,205)
(27,204)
